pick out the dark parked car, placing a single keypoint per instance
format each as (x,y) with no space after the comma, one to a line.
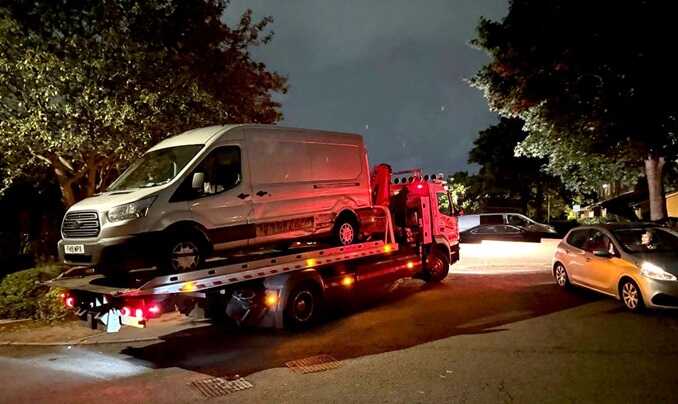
(500,232)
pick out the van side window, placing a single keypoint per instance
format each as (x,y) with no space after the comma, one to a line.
(491,219)
(222,170)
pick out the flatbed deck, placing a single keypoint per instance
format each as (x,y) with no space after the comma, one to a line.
(145,283)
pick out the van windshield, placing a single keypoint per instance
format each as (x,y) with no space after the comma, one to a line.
(155,168)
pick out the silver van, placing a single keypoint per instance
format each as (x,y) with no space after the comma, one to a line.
(219,188)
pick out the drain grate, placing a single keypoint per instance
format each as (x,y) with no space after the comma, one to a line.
(217,387)
(312,364)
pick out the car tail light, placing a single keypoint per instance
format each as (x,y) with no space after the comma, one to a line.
(70,302)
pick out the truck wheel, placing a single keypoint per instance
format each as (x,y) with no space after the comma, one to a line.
(345,231)
(183,253)
(303,307)
(436,267)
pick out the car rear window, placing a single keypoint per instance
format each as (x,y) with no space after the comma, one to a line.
(577,238)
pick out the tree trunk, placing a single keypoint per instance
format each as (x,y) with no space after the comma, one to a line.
(67,193)
(654,170)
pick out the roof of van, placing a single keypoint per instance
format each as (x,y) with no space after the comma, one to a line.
(204,135)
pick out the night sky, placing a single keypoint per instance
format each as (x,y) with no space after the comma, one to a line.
(390,70)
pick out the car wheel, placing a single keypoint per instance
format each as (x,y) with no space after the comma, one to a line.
(303,307)
(631,296)
(560,274)
(436,267)
(345,231)
(183,254)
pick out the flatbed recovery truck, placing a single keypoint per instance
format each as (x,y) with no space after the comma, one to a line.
(290,288)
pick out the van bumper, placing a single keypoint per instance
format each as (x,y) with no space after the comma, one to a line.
(135,251)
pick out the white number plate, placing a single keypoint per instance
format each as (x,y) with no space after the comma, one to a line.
(74,249)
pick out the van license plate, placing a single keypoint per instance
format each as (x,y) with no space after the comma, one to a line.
(74,249)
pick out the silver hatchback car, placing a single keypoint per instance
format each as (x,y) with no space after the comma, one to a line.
(635,263)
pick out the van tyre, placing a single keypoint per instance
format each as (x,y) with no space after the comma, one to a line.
(345,231)
(436,266)
(630,295)
(183,253)
(303,307)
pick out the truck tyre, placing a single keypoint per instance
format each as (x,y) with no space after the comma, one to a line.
(345,231)
(303,307)
(183,252)
(436,267)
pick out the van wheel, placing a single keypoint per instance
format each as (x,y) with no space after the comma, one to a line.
(436,267)
(345,231)
(303,307)
(183,254)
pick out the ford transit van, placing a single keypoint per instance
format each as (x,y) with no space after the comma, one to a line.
(221,188)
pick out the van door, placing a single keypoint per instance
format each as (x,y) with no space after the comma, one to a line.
(224,204)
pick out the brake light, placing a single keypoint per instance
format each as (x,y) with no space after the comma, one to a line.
(125,311)
(70,302)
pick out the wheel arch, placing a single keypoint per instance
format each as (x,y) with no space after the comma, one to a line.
(621,280)
(193,227)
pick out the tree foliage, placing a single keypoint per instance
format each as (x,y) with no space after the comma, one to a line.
(508,179)
(591,81)
(85,86)
(505,175)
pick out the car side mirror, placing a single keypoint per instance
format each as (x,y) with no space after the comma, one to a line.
(198,181)
(602,253)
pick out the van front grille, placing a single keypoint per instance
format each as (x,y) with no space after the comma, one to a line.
(80,225)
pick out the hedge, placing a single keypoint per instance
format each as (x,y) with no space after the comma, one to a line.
(22,296)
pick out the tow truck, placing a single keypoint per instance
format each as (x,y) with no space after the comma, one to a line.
(290,288)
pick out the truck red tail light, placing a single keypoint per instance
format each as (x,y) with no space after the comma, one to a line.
(154,309)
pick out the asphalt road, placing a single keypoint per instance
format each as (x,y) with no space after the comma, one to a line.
(506,336)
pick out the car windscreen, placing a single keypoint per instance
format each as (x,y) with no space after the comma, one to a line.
(156,167)
(646,240)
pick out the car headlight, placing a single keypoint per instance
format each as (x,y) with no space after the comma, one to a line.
(655,272)
(130,211)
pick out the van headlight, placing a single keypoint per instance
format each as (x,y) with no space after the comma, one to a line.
(653,271)
(130,211)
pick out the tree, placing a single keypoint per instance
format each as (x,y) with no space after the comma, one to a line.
(593,84)
(503,175)
(87,86)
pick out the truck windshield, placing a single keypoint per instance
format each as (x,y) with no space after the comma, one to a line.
(155,168)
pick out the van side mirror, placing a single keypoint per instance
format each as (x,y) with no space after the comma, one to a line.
(198,181)
(602,253)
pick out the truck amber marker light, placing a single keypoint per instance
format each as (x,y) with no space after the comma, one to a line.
(310,262)
(271,298)
(348,281)
(388,248)
(410,264)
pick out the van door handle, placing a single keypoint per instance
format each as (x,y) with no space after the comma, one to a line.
(243,196)
(262,193)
